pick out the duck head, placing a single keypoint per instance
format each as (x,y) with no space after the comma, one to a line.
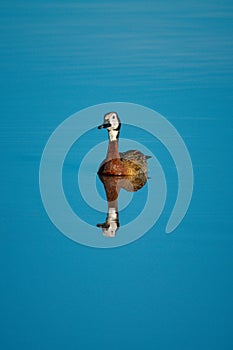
(113,124)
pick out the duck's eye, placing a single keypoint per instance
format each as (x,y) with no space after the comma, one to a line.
(113,116)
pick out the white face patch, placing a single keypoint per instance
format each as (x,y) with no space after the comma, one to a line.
(114,121)
(114,125)
(113,129)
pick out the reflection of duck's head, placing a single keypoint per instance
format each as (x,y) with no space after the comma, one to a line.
(111,225)
(113,124)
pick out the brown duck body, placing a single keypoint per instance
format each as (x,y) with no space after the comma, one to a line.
(126,165)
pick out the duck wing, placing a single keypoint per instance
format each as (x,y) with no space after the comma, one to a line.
(134,156)
(137,158)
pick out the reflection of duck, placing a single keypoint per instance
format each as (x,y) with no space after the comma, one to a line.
(112,186)
(130,163)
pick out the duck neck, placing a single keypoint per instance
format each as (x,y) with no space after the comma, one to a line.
(112,152)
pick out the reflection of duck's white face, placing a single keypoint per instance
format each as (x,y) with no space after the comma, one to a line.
(113,124)
(111,230)
(111,225)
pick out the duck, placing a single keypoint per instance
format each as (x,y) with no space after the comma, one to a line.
(129,163)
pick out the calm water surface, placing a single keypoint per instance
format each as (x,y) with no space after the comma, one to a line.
(162,291)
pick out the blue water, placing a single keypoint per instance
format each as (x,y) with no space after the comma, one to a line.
(162,291)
